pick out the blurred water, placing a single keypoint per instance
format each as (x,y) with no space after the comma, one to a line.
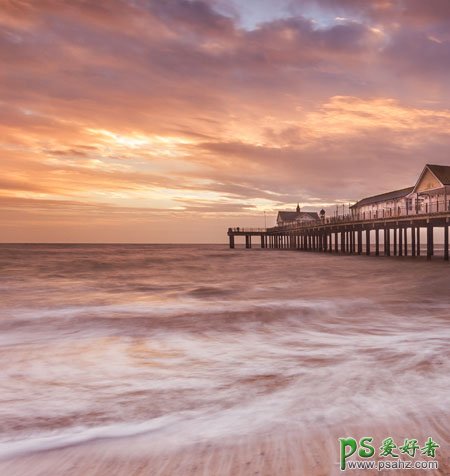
(117,340)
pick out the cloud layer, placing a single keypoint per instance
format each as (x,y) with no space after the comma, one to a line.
(138,120)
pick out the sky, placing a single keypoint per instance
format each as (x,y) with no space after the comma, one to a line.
(169,121)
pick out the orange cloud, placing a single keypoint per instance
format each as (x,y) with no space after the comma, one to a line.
(173,113)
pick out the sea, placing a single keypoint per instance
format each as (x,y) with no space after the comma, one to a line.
(198,359)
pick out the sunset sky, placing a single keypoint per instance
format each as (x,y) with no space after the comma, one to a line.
(170,120)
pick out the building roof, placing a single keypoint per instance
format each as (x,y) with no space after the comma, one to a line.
(442,173)
(384,197)
(292,216)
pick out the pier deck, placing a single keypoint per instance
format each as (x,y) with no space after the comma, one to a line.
(401,235)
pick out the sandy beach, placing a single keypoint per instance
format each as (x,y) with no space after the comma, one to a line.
(280,452)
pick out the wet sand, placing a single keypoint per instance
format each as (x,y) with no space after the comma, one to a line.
(281,452)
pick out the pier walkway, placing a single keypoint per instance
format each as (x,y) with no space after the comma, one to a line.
(397,235)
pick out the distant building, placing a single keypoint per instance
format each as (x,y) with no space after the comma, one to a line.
(432,190)
(383,205)
(288,218)
(429,195)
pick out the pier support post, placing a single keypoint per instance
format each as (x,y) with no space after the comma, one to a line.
(377,242)
(248,241)
(418,241)
(400,241)
(395,240)
(388,241)
(342,241)
(336,242)
(263,244)
(360,245)
(406,240)
(413,241)
(430,244)
(446,241)
(231,241)
(368,242)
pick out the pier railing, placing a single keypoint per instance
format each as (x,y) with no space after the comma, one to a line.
(247,230)
(432,209)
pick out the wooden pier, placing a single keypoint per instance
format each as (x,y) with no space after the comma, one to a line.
(351,235)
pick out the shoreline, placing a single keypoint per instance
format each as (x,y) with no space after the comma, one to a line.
(280,451)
